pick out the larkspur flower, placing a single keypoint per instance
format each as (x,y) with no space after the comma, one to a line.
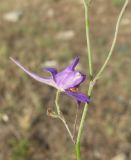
(66,81)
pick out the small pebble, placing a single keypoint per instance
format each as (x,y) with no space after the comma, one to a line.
(51,63)
(120,156)
(5,118)
(65,35)
(13,16)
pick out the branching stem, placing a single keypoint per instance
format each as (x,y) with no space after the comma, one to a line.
(113,42)
(92,83)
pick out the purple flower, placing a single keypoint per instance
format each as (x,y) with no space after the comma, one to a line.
(66,81)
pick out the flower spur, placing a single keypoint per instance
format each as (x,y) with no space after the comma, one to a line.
(66,81)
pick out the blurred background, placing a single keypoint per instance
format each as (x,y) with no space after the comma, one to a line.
(51,33)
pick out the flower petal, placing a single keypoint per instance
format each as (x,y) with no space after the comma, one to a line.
(48,81)
(80,97)
(67,79)
(73,64)
(53,71)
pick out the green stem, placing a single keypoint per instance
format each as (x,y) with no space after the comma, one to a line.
(77,146)
(78,153)
(82,124)
(56,102)
(86,4)
(113,42)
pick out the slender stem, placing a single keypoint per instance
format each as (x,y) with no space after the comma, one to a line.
(67,128)
(61,117)
(82,124)
(80,131)
(56,102)
(75,123)
(113,42)
(86,6)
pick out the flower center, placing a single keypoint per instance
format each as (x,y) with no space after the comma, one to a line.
(73,89)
